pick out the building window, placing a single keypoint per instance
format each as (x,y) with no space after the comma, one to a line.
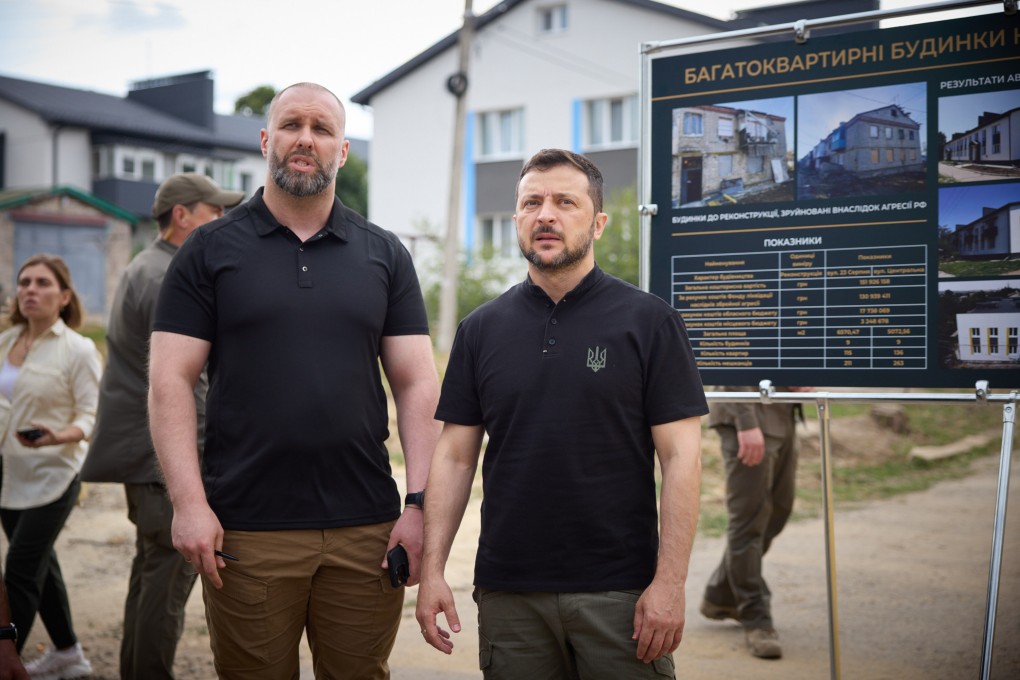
(1011,340)
(874,156)
(102,162)
(975,341)
(552,19)
(611,122)
(873,131)
(996,140)
(901,134)
(246,183)
(501,134)
(888,133)
(497,236)
(755,164)
(149,169)
(692,124)
(993,340)
(725,126)
(889,156)
(127,166)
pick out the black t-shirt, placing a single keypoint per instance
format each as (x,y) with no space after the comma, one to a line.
(568,394)
(296,412)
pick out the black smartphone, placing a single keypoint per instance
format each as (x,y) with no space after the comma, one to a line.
(31,433)
(400,568)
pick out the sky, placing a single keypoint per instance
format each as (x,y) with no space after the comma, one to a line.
(962,203)
(345,45)
(960,114)
(820,114)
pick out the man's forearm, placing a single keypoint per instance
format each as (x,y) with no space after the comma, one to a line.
(418,431)
(172,423)
(449,489)
(680,462)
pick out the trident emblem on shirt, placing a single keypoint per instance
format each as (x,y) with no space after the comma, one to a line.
(596,359)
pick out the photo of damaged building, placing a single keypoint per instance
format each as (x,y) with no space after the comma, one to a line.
(879,142)
(726,154)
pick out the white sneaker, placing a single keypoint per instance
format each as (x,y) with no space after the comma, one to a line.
(62,664)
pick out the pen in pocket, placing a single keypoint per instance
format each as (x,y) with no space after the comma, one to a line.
(226,556)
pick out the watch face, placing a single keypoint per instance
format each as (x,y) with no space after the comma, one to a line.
(8,632)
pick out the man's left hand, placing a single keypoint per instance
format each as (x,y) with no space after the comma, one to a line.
(659,620)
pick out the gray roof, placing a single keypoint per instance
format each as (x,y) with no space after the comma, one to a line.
(997,306)
(364,97)
(108,113)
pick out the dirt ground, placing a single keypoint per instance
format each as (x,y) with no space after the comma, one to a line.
(912,577)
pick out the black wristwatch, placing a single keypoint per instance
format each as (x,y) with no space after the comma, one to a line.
(417,499)
(9,632)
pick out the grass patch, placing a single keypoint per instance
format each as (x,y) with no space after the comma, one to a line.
(983,268)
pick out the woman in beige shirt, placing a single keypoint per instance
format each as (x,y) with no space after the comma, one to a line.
(49,387)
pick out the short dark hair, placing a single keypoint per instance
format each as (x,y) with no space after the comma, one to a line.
(164,220)
(546,159)
(71,313)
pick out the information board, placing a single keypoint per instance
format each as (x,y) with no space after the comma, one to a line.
(843,212)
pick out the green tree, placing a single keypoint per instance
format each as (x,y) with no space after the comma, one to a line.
(617,252)
(479,279)
(352,184)
(255,102)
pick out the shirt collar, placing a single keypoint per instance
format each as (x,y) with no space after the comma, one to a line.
(164,245)
(586,284)
(266,223)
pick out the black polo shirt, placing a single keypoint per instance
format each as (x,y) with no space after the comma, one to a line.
(296,413)
(568,393)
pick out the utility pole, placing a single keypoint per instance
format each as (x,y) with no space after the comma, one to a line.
(457,85)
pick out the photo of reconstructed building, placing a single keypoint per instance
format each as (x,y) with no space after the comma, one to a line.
(731,153)
(980,137)
(871,142)
(979,323)
(980,222)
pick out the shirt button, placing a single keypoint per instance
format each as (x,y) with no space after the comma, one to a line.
(552,341)
(304,269)
(554,322)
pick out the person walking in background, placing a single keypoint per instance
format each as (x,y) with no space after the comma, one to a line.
(122,450)
(295,300)
(759,448)
(49,388)
(580,381)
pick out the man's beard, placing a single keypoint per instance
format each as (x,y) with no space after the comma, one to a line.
(567,258)
(301,184)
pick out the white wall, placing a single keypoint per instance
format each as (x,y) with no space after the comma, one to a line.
(74,159)
(1002,321)
(28,160)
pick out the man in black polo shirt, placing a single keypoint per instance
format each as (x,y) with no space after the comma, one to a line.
(293,299)
(580,380)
